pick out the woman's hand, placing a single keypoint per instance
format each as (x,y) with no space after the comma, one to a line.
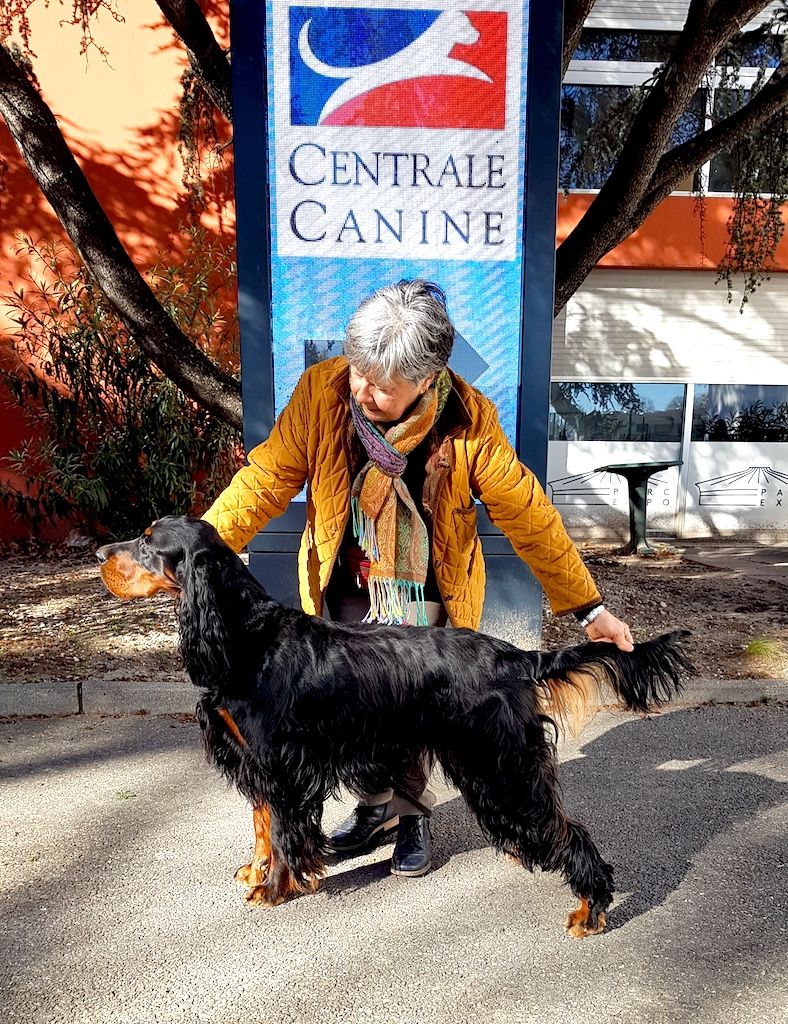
(607,627)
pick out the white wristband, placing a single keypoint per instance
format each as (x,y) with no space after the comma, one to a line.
(593,614)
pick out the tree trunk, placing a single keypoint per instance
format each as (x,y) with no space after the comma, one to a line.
(207,58)
(50,161)
(575,14)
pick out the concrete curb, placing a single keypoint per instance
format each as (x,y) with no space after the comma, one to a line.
(731,691)
(102,697)
(95,697)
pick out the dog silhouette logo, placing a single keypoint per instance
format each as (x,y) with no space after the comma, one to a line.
(397,68)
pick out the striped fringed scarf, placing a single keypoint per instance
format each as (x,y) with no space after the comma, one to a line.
(386,521)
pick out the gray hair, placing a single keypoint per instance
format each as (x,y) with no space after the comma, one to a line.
(402,330)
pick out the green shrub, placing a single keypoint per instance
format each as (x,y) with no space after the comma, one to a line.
(755,422)
(113,443)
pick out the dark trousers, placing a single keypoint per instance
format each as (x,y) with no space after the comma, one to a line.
(352,605)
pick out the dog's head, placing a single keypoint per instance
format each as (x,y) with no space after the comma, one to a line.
(158,560)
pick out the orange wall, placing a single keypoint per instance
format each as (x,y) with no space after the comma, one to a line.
(120,117)
(670,239)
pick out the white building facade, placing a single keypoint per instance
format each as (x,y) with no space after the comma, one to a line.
(651,362)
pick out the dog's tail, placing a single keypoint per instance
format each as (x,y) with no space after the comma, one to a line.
(574,681)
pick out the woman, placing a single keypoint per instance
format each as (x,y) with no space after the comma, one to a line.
(395,448)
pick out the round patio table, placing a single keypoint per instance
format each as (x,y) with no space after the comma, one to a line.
(637,476)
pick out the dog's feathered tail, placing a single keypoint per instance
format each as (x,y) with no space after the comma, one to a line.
(574,680)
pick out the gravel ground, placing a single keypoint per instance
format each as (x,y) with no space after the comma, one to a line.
(57,622)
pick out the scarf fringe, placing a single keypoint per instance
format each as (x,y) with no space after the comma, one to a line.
(389,600)
(364,530)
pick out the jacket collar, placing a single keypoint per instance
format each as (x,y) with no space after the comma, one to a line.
(453,420)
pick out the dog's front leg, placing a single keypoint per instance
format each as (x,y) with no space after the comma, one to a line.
(295,860)
(254,873)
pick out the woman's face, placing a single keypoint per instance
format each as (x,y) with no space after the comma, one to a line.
(385,402)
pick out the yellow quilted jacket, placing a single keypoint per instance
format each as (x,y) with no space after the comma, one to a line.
(313,442)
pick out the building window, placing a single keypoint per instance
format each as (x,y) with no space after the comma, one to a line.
(588,151)
(756,49)
(609,69)
(740,412)
(608,411)
(625,44)
(768,172)
(585,109)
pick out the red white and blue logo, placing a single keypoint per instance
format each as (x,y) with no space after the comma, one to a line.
(405,68)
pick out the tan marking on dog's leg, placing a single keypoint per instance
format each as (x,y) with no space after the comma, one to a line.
(254,873)
(276,884)
(279,886)
(232,728)
(578,924)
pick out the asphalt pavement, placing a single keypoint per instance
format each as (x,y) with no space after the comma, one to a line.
(118,844)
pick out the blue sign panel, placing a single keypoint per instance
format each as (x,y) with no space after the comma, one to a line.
(396,142)
(376,141)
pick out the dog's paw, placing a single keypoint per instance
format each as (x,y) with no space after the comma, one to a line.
(265,896)
(582,922)
(251,875)
(278,887)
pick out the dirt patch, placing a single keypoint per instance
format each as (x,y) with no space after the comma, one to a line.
(58,624)
(738,623)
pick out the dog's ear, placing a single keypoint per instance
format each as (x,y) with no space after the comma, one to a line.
(204,640)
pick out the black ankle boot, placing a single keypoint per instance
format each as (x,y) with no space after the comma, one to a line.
(363,825)
(413,851)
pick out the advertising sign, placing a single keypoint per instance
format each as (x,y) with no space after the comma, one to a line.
(395,146)
(377,140)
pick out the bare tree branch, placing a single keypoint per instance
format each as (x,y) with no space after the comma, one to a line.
(207,58)
(575,14)
(50,161)
(611,216)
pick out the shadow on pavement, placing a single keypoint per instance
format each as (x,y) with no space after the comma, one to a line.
(654,793)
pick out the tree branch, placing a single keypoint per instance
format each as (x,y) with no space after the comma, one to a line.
(685,159)
(207,58)
(611,216)
(575,14)
(50,161)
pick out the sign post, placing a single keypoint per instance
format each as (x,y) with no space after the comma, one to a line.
(379,140)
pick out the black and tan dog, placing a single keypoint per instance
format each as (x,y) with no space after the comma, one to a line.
(296,707)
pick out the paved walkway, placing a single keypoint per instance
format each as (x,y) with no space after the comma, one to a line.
(118,845)
(759,561)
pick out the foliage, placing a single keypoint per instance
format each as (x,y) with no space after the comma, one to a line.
(115,444)
(759,167)
(593,131)
(14,19)
(764,647)
(756,422)
(199,137)
(596,122)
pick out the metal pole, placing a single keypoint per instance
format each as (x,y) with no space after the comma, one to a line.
(250,133)
(545,42)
